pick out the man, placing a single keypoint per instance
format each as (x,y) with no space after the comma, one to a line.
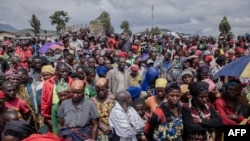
(78,116)
(35,73)
(75,43)
(119,77)
(13,102)
(3,110)
(124,120)
(49,97)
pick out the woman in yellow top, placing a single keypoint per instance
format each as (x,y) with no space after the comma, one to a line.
(135,76)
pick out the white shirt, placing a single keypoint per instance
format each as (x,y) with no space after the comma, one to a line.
(126,125)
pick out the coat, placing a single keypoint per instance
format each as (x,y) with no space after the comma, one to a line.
(46,96)
(113,80)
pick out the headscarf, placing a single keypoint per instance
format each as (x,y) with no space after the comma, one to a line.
(20,129)
(185,72)
(211,84)
(151,74)
(172,86)
(43,137)
(198,87)
(134,67)
(122,54)
(101,70)
(49,69)
(203,68)
(161,82)
(77,84)
(62,86)
(134,92)
(11,73)
(184,89)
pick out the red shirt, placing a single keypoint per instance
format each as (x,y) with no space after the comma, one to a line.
(223,110)
(24,55)
(18,104)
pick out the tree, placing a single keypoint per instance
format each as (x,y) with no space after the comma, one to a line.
(155,30)
(60,19)
(35,24)
(27,34)
(147,32)
(125,27)
(104,19)
(45,32)
(224,26)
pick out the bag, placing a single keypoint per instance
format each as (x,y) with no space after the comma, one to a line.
(171,131)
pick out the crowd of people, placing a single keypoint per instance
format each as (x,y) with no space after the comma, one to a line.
(118,87)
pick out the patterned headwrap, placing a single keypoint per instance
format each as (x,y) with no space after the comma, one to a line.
(11,73)
(134,67)
(49,69)
(44,137)
(62,86)
(184,89)
(123,54)
(101,82)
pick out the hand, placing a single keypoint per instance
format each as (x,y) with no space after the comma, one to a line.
(197,120)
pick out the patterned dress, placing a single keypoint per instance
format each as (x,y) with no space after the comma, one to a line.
(104,110)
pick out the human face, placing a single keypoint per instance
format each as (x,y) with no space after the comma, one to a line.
(100,61)
(24,77)
(121,63)
(173,97)
(81,73)
(91,77)
(46,75)
(10,138)
(37,63)
(77,95)
(63,72)
(129,100)
(102,91)
(160,92)
(63,95)
(134,73)
(233,92)
(91,62)
(140,108)
(204,74)
(187,79)
(97,53)
(10,91)
(15,80)
(202,98)
(108,64)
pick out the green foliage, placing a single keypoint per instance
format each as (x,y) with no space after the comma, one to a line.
(35,24)
(125,27)
(224,26)
(105,19)
(147,31)
(155,30)
(27,34)
(60,19)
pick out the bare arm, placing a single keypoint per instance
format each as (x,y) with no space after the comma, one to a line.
(94,128)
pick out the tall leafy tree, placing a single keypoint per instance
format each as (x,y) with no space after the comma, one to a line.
(224,26)
(60,19)
(155,30)
(104,19)
(35,24)
(125,27)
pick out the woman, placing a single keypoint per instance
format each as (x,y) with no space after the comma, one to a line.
(90,86)
(78,116)
(187,77)
(154,101)
(230,108)
(135,76)
(166,122)
(104,102)
(199,118)
(148,82)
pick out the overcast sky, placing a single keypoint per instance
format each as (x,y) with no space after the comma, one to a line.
(188,16)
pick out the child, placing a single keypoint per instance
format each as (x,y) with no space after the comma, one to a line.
(140,106)
(62,90)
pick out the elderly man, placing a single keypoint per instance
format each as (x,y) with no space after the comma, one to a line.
(119,77)
(78,116)
(124,120)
